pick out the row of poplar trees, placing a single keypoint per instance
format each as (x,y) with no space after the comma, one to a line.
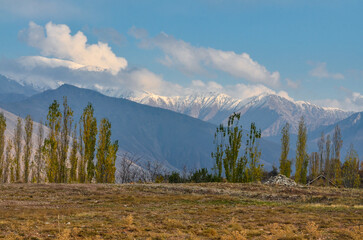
(327,161)
(238,160)
(62,156)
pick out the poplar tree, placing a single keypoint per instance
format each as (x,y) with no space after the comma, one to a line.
(17,148)
(38,159)
(233,165)
(301,153)
(337,146)
(89,128)
(328,164)
(2,145)
(82,160)
(9,168)
(351,176)
(28,129)
(106,154)
(253,154)
(321,145)
(219,141)
(73,157)
(67,120)
(285,164)
(54,118)
(314,164)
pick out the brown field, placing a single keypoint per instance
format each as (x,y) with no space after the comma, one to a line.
(179,211)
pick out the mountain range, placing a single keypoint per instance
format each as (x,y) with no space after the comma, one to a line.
(178,131)
(269,111)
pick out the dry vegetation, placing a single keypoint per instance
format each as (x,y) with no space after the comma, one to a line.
(179,211)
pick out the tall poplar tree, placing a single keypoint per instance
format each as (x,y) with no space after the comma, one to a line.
(2,145)
(54,118)
(66,128)
(89,133)
(219,141)
(10,165)
(106,154)
(233,165)
(253,154)
(285,164)
(351,176)
(28,129)
(301,153)
(73,157)
(321,145)
(328,164)
(38,159)
(337,146)
(18,148)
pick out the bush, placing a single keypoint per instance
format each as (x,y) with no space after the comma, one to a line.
(175,178)
(202,175)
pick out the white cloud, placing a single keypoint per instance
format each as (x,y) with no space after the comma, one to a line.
(195,60)
(320,71)
(353,101)
(58,43)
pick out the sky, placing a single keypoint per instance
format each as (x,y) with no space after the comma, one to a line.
(302,50)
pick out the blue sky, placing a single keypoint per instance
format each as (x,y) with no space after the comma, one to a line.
(305,50)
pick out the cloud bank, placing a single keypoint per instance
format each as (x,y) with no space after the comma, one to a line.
(195,60)
(59,48)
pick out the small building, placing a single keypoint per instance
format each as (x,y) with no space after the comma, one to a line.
(321,181)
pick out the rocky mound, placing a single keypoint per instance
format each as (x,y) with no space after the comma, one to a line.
(281,180)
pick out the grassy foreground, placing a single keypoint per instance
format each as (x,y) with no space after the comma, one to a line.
(179,211)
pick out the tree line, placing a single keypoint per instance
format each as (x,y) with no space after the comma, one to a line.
(326,162)
(64,154)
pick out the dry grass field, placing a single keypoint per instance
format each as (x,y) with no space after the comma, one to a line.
(179,211)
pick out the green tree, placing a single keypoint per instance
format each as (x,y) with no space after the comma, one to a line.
(314,163)
(106,154)
(73,157)
(67,120)
(351,176)
(2,146)
(18,148)
(28,128)
(89,128)
(9,168)
(336,164)
(285,164)
(38,159)
(54,118)
(219,141)
(253,154)
(328,164)
(301,153)
(321,145)
(234,166)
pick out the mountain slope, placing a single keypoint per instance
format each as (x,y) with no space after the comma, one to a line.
(12,91)
(351,130)
(175,139)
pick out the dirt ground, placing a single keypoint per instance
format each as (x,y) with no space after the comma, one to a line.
(179,211)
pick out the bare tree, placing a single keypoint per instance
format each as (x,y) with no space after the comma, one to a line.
(129,170)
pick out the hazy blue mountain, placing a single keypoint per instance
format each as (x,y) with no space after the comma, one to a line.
(351,130)
(12,91)
(153,133)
